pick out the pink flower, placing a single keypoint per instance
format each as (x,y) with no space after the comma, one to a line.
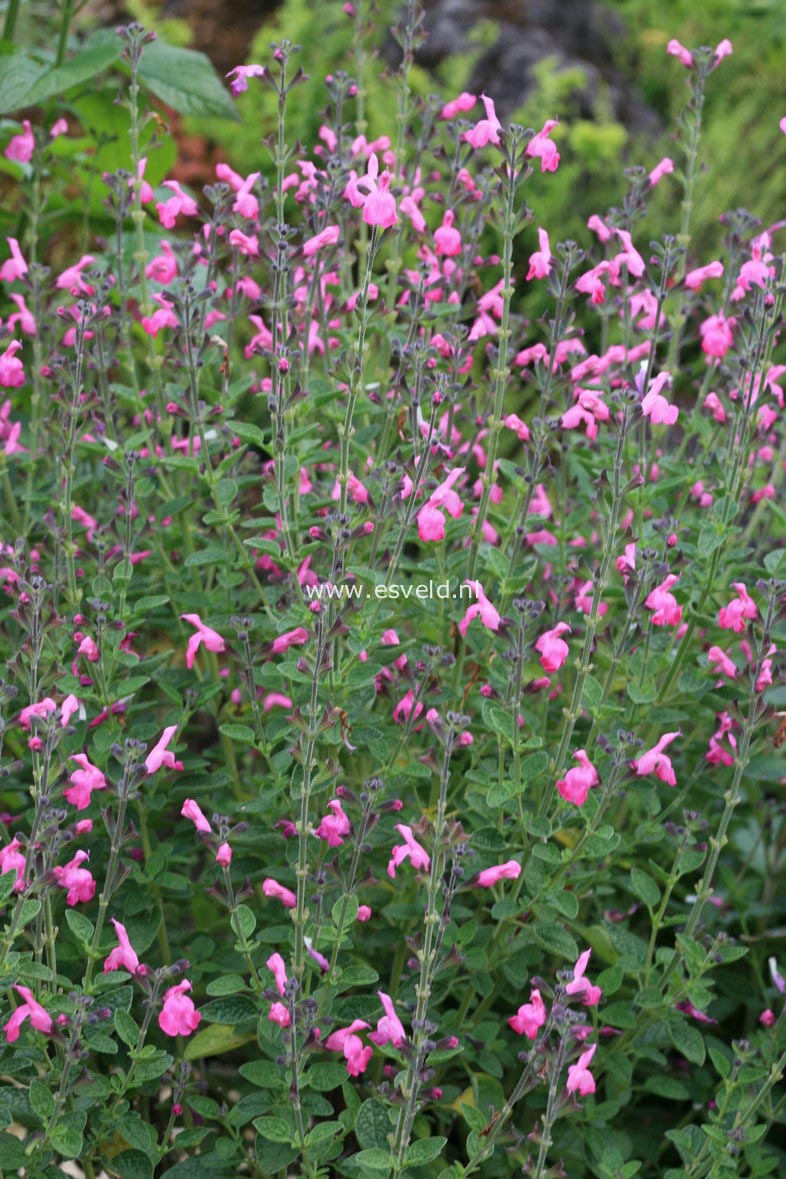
(276,963)
(553,650)
(85,780)
(540,261)
(579,985)
(664,168)
(431,522)
(486,130)
(541,147)
(591,283)
(345,1040)
(30,1008)
(15,266)
(447,240)
(335,826)
(179,203)
(510,870)
(483,609)
(694,278)
(275,700)
(530,1016)
(77,880)
(124,956)
(224,855)
(379,205)
(655,761)
(458,106)
(240,75)
(272,888)
(579,1077)
(178,1016)
(723,49)
(576,784)
(777,978)
(245,243)
(163,268)
(71,279)
(326,237)
(655,406)
(58,128)
(364,912)
(246,204)
(21,147)
(514,422)
(12,859)
(717,335)
(211,638)
(722,662)
(390,1029)
(160,756)
(291,638)
(735,616)
(409,849)
(679,51)
(767,1018)
(279,1014)
(191,810)
(12,374)
(664,604)
(41,709)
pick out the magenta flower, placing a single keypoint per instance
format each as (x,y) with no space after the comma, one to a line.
(21,147)
(739,611)
(510,870)
(767,1018)
(12,374)
(553,650)
(292,638)
(246,204)
(334,826)
(124,956)
(530,1017)
(240,75)
(485,130)
(695,278)
(447,240)
(541,147)
(179,203)
(579,985)
(279,1014)
(664,168)
(191,810)
(85,780)
(675,49)
(272,888)
(163,267)
(275,963)
(390,1029)
(41,709)
(178,1016)
(580,1079)
(410,849)
(204,634)
(540,261)
(160,756)
(591,282)
(655,406)
(458,106)
(483,609)
(379,207)
(224,855)
(15,266)
(76,880)
(655,761)
(275,700)
(364,912)
(40,1019)
(717,335)
(12,859)
(71,278)
(662,602)
(326,237)
(347,1041)
(576,784)
(722,662)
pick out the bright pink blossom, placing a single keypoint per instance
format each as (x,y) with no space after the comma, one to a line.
(30,1009)
(334,826)
(271,888)
(739,611)
(77,880)
(655,761)
(347,1041)
(458,106)
(224,855)
(240,75)
(178,1016)
(204,634)
(655,406)
(390,1029)
(160,755)
(542,148)
(12,374)
(695,278)
(326,237)
(22,146)
(291,638)
(85,780)
(275,963)
(530,1017)
(722,663)
(447,240)
(483,609)
(510,870)
(664,168)
(576,784)
(124,956)
(15,266)
(580,985)
(662,602)
(717,335)
(191,810)
(410,849)
(12,859)
(580,1079)
(485,130)
(180,203)
(553,650)
(540,262)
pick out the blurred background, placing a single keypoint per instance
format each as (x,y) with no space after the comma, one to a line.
(602,67)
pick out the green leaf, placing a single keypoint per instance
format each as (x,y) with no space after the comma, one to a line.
(372,1125)
(185,81)
(244,922)
(375,1159)
(132,1164)
(19,75)
(275,1129)
(214,1040)
(688,1041)
(126,1028)
(228,984)
(84,66)
(229,1009)
(424,1150)
(241,733)
(265,1074)
(351,910)
(80,926)
(152,1067)
(7,882)
(645,888)
(66,1141)
(41,1099)
(323,1077)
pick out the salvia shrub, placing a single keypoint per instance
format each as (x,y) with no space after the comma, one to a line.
(390,730)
